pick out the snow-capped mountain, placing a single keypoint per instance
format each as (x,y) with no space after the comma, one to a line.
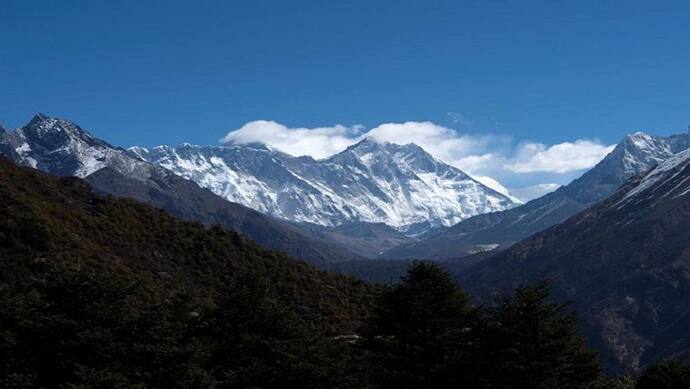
(62,148)
(635,154)
(399,185)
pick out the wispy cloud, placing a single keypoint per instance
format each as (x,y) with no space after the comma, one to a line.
(457,117)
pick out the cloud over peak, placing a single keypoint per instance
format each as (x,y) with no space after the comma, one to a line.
(497,156)
(559,158)
(319,142)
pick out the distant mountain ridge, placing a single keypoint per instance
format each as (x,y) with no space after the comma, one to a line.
(635,154)
(62,148)
(399,185)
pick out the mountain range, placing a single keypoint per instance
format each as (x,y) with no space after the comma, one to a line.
(402,186)
(635,154)
(371,200)
(355,205)
(62,148)
(614,241)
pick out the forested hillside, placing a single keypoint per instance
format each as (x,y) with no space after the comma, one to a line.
(103,292)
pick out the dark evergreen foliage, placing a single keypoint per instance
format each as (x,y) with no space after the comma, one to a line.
(669,374)
(422,331)
(535,343)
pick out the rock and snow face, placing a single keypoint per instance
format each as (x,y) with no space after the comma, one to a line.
(399,185)
(668,180)
(639,152)
(62,148)
(635,154)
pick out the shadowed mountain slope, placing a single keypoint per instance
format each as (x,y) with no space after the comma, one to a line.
(60,221)
(625,263)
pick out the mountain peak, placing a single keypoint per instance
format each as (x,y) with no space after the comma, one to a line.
(638,138)
(367,144)
(41,124)
(39,117)
(666,170)
(139,152)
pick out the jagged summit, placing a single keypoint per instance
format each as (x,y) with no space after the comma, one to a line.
(61,147)
(51,133)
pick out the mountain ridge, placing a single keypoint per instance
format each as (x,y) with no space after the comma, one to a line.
(62,148)
(399,185)
(635,154)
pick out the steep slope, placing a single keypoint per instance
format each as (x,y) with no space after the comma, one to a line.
(62,148)
(61,222)
(625,263)
(399,185)
(635,154)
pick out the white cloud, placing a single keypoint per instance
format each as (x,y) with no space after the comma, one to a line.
(442,142)
(318,142)
(489,155)
(559,158)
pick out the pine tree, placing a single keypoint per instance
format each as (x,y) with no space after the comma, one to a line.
(421,331)
(669,374)
(534,343)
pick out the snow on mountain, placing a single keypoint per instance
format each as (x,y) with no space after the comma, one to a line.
(635,154)
(399,185)
(497,186)
(61,147)
(642,151)
(665,172)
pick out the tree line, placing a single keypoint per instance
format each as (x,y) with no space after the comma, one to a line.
(83,329)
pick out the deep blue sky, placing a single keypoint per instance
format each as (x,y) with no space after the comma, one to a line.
(170,72)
